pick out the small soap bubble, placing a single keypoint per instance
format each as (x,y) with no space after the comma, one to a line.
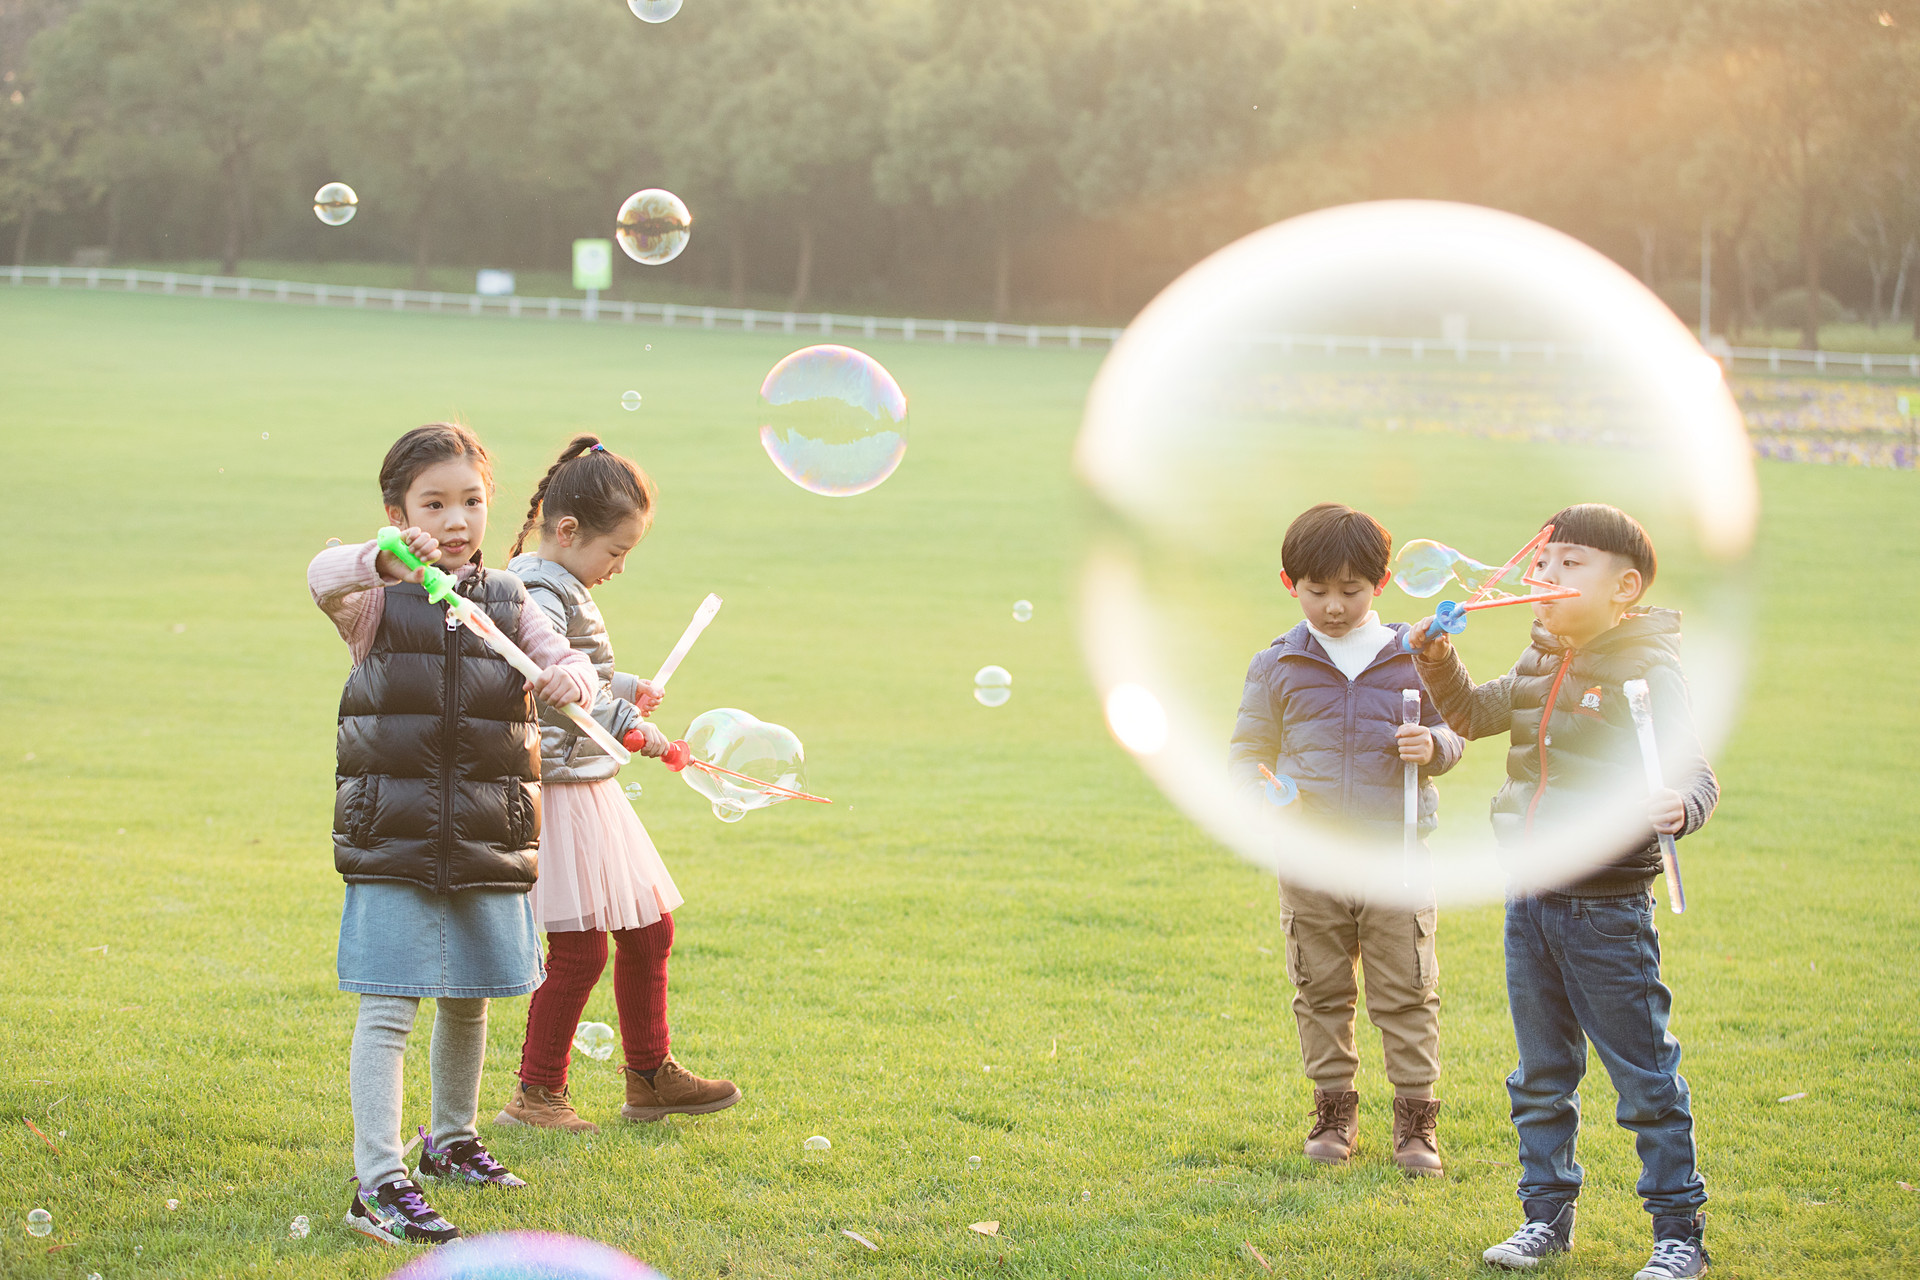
(649,346)
(973,1162)
(630,401)
(632,790)
(335,204)
(1023,610)
(179,628)
(263,435)
(173,1204)
(833,420)
(333,542)
(817,1143)
(299,1228)
(654,10)
(652,226)
(992,686)
(595,1039)
(40,1222)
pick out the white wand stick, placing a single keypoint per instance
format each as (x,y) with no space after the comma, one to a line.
(1410,714)
(1640,705)
(701,617)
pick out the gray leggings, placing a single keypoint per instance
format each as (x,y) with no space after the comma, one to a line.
(374,1079)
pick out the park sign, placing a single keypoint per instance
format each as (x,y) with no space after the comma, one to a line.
(593,264)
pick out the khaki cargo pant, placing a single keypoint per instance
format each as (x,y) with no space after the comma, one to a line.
(1326,935)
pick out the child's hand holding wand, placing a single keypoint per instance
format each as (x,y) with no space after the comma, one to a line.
(423,545)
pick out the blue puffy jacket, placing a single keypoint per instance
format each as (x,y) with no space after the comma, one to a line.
(1303,719)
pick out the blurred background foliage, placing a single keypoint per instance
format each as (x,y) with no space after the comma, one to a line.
(1042,160)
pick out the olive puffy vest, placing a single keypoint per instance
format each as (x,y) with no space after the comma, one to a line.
(1590,744)
(438,780)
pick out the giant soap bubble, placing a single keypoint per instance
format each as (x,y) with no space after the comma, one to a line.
(1461,375)
(525,1255)
(833,420)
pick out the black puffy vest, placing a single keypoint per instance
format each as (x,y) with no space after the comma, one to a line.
(438,780)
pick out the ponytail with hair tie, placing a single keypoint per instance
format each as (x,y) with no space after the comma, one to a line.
(598,488)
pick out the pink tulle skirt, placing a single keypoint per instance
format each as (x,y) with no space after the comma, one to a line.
(598,867)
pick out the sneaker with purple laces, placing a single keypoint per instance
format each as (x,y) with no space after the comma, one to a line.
(1679,1249)
(398,1213)
(464,1161)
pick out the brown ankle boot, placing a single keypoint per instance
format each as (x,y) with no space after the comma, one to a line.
(1336,1126)
(1415,1147)
(675,1090)
(543,1109)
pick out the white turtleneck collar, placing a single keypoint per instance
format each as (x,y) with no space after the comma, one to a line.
(1356,650)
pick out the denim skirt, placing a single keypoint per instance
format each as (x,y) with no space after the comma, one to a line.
(399,939)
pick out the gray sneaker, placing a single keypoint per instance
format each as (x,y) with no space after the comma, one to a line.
(1678,1249)
(1524,1249)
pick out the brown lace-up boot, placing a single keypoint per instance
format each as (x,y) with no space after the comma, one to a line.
(674,1090)
(1416,1149)
(543,1109)
(1336,1126)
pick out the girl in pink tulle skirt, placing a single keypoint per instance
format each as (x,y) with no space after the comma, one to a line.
(600,876)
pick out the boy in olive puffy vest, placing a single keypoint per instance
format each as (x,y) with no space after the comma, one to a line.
(1583,960)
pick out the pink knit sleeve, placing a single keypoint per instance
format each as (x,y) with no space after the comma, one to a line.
(547,647)
(346,585)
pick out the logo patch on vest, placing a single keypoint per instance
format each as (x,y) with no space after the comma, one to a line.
(1590,703)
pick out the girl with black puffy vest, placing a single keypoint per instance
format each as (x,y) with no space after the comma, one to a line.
(600,875)
(436,818)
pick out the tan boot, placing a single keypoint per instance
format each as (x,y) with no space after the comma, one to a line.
(675,1090)
(1416,1149)
(1336,1126)
(543,1109)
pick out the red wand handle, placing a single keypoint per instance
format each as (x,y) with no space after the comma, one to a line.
(679,754)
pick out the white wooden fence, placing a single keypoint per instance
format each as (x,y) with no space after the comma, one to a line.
(901,328)
(747,320)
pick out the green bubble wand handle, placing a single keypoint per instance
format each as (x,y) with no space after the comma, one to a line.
(1640,706)
(440,590)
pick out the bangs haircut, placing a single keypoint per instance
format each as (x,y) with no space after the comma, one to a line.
(425,447)
(1608,529)
(1332,538)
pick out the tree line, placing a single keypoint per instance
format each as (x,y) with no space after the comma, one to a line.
(1047,158)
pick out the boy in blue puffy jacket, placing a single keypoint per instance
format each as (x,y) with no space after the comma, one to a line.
(1322,706)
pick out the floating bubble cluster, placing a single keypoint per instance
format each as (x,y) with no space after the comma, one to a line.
(761,762)
(654,10)
(525,1255)
(652,226)
(595,1039)
(992,686)
(39,1222)
(335,204)
(1022,610)
(1460,375)
(630,401)
(833,420)
(1425,567)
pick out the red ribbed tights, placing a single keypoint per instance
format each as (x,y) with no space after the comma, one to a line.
(575,962)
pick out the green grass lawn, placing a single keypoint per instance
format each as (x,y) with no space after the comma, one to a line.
(999,941)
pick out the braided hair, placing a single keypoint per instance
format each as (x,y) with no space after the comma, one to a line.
(595,486)
(427,446)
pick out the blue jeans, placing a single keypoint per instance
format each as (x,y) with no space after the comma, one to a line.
(1582,969)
